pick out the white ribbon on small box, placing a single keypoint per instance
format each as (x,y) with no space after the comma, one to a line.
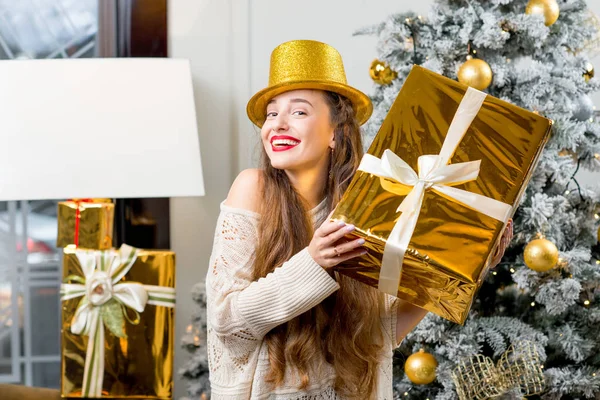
(434,174)
(102,270)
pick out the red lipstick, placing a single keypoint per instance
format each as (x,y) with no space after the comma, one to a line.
(283,142)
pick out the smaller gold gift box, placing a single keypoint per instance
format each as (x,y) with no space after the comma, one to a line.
(86,223)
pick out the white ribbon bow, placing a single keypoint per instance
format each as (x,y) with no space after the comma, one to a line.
(102,270)
(434,174)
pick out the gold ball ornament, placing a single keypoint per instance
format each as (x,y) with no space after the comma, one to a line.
(420,368)
(381,73)
(541,255)
(589,72)
(475,73)
(547,8)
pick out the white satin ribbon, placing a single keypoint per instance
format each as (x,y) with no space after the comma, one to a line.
(434,174)
(102,270)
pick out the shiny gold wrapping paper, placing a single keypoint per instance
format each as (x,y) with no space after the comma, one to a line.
(450,250)
(140,365)
(95,223)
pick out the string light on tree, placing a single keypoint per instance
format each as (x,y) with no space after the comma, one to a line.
(589,71)
(420,368)
(381,72)
(546,8)
(541,255)
(568,153)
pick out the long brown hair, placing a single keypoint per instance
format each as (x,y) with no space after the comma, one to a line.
(344,330)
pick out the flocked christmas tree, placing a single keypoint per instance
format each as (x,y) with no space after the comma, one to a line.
(546,291)
(195,370)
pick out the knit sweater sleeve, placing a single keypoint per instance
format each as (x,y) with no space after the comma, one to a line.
(242,311)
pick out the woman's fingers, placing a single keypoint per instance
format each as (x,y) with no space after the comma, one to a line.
(344,246)
(337,235)
(328,227)
(351,254)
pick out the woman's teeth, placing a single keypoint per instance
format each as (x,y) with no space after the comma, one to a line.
(285,142)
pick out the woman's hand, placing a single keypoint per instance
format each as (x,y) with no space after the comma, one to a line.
(504,242)
(328,246)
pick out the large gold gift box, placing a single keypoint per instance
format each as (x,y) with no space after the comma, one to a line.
(86,223)
(448,254)
(130,354)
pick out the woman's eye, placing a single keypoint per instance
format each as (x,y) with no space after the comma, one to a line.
(299,113)
(271,114)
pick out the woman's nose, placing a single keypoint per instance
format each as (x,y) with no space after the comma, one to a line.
(280,123)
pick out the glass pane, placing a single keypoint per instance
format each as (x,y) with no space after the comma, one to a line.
(43,278)
(45,340)
(47,375)
(48,28)
(9,304)
(6,328)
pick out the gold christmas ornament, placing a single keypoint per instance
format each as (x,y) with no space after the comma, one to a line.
(381,72)
(541,255)
(420,368)
(548,8)
(475,73)
(589,71)
(598,234)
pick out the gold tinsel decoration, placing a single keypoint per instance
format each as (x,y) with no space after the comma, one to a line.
(420,368)
(547,8)
(589,71)
(592,45)
(475,73)
(381,72)
(519,367)
(541,255)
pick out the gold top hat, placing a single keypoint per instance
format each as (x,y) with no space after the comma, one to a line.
(307,64)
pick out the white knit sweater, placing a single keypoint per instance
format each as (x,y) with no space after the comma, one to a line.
(241,312)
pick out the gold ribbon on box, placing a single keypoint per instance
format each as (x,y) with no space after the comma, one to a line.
(106,303)
(434,173)
(519,368)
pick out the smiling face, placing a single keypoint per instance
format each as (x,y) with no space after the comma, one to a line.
(297,133)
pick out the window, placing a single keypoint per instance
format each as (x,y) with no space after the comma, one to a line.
(29,260)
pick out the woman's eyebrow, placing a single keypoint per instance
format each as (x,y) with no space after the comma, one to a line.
(301,101)
(298,100)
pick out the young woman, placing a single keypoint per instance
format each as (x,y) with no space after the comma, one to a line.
(282,324)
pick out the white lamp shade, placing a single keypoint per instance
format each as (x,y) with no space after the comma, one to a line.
(100,127)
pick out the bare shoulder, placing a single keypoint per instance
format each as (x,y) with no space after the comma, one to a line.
(245,190)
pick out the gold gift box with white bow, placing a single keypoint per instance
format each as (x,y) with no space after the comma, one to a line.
(433,195)
(117,336)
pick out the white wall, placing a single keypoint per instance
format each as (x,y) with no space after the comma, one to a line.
(229,44)
(201,31)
